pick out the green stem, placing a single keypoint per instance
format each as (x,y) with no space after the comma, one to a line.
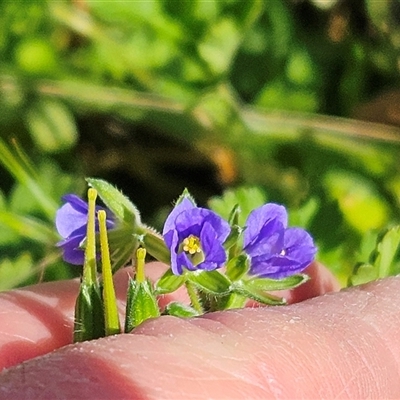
(194,299)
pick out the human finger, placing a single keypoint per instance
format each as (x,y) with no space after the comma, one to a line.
(341,345)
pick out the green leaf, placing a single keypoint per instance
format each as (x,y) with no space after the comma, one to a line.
(141,304)
(28,227)
(120,205)
(365,196)
(180,310)
(386,250)
(267,284)
(169,282)
(211,282)
(13,272)
(220,45)
(303,216)
(367,245)
(256,294)
(17,164)
(51,125)
(247,198)
(363,273)
(89,316)
(382,259)
(237,267)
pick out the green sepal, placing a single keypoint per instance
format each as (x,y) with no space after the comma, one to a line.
(218,303)
(180,310)
(234,215)
(211,282)
(233,237)
(242,288)
(120,205)
(267,284)
(155,245)
(89,314)
(185,195)
(169,282)
(237,267)
(141,304)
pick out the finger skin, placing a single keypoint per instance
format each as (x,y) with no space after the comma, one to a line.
(38,319)
(340,345)
(321,281)
(35,320)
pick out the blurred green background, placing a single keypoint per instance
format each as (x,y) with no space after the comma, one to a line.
(298,99)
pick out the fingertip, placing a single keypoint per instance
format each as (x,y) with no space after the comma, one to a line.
(321,281)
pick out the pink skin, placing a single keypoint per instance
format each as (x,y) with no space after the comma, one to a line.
(339,345)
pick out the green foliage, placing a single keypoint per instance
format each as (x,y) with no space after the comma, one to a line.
(119,204)
(15,272)
(210,282)
(169,282)
(89,314)
(159,95)
(247,199)
(382,261)
(141,304)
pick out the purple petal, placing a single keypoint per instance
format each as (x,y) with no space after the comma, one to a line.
(72,253)
(76,202)
(296,254)
(270,240)
(274,267)
(262,222)
(186,219)
(213,250)
(182,261)
(69,219)
(299,245)
(192,221)
(185,204)
(171,240)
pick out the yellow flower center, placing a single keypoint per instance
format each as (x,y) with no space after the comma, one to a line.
(191,245)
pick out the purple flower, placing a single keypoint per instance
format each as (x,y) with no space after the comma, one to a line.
(195,237)
(71,221)
(276,251)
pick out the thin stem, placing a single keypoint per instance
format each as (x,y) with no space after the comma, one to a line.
(111,317)
(194,299)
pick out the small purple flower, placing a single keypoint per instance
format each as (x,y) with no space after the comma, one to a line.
(276,251)
(71,221)
(195,237)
